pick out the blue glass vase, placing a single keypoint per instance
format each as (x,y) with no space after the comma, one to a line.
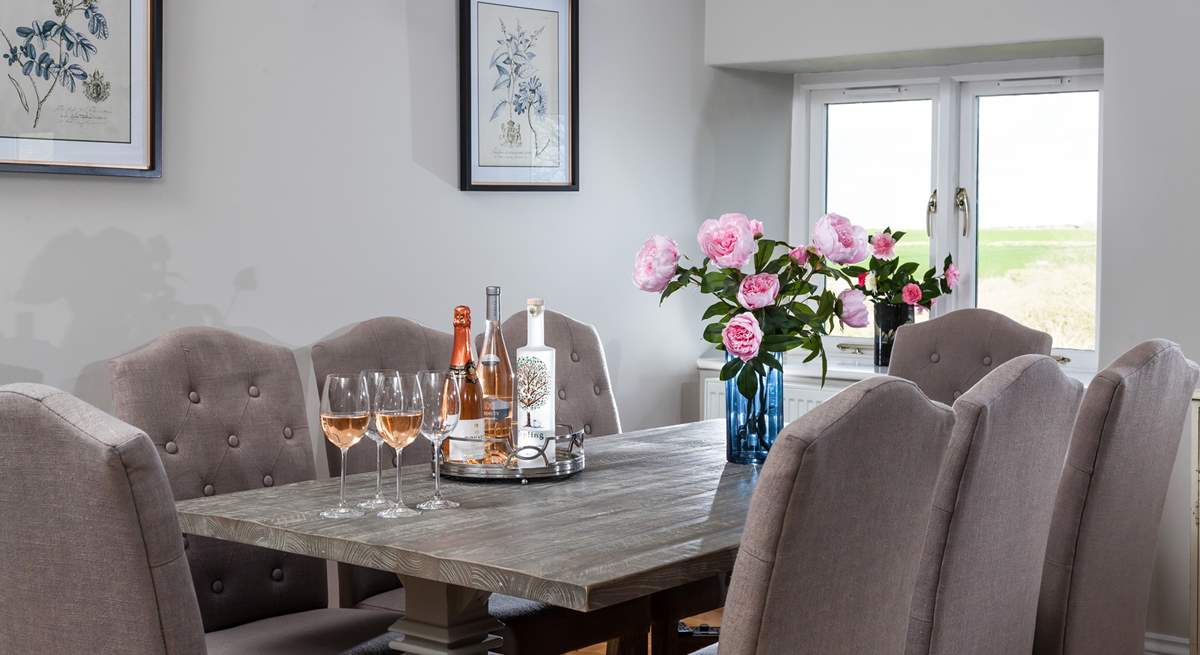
(751,426)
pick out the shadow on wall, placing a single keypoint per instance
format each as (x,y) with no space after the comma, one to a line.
(433,78)
(117,292)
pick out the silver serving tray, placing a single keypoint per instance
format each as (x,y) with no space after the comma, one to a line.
(568,460)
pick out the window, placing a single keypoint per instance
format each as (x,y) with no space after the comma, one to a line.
(1014,162)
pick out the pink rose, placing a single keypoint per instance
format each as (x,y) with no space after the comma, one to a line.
(756,228)
(854,308)
(884,245)
(799,254)
(952,275)
(758,291)
(655,264)
(911,293)
(727,241)
(742,336)
(839,240)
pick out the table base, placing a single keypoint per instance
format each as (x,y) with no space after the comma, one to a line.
(445,619)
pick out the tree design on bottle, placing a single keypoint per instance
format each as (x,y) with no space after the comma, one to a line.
(49,51)
(533,386)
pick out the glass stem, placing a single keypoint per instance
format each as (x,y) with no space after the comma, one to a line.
(437,470)
(342,493)
(379,469)
(399,477)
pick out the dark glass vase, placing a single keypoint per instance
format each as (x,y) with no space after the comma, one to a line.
(888,318)
(751,426)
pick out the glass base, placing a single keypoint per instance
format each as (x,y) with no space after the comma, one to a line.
(397,511)
(345,512)
(436,504)
(378,502)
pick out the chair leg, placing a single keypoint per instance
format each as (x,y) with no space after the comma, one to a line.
(634,643)
(664,638)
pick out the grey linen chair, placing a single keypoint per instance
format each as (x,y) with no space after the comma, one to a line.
(226,413)
(948,355)
(531,628)
(379,343)
(978,584)
(93,558)
(830,550)
(1096,581)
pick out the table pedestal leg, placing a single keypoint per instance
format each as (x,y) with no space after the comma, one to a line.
(445,619)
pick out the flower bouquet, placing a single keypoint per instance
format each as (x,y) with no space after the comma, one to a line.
(778,307)
(895,290)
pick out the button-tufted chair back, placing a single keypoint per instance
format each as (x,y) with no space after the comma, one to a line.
(226,414)
(380,343)
(585,395)
(836,525)
(92,556)
(1096,583)
(982,565)
(948,355)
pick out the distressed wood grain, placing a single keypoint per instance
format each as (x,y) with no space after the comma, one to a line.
(654,509)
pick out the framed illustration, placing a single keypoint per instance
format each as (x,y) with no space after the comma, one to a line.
(518,95)
(81,87)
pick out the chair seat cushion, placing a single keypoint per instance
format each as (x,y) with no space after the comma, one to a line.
(323,632)
(532,628)
(711,650)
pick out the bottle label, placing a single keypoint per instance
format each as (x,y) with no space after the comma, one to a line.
(535,389)
(466,441)
(532,440)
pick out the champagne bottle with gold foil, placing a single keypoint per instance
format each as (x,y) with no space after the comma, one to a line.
(496,384)
(466,442)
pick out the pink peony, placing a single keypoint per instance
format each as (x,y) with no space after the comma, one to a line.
(884,246)
(655,264)
(911,293)
(839,240)
(727,241)
(742,336)
(952,275)
(756,228)
(799,254)
(758,291)
(854,308)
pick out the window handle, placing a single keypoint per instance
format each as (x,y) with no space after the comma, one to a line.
(964,205)
(930,212)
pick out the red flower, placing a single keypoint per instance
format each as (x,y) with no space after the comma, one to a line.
(862,279)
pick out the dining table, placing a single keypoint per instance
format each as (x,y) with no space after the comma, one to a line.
(652,510)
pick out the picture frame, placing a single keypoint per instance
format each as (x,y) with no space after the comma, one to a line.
(519,95)
(81,87)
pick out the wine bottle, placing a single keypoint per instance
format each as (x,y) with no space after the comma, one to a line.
(496,384)
(465,445)
(535,387)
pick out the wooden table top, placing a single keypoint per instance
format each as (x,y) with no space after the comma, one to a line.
(653,510)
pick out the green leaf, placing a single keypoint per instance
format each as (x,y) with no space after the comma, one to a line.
(731,368)
(777,343)
(898,235)
(719,308)
(770,360)
(747,383)
(765,248)
(907,269)
(712,333)
(674,286)
(949,260)
(854,271)
(712,282)
(776,265)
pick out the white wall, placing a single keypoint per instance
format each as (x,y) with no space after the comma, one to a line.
(311,182)
(1150,161)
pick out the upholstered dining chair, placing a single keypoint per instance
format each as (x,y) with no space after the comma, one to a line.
(530,627)
(94,561)
(982,564)
(227,413)
(1096,581)
(829,555)
(946,356)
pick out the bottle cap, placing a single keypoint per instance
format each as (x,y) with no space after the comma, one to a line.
(535,302)
(493,291)
(462,316)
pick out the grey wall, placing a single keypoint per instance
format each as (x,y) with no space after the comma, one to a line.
(1149,160)
(311,182)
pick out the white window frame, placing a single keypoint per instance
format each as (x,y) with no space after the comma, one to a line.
(953,90)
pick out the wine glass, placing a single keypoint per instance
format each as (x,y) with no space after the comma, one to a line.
(345,414)
(374,378)
(440,396)
(398,412)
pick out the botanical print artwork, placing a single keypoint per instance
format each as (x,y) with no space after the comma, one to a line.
(518,86)
(67,68)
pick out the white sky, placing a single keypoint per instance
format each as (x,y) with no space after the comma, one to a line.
(1038,161)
